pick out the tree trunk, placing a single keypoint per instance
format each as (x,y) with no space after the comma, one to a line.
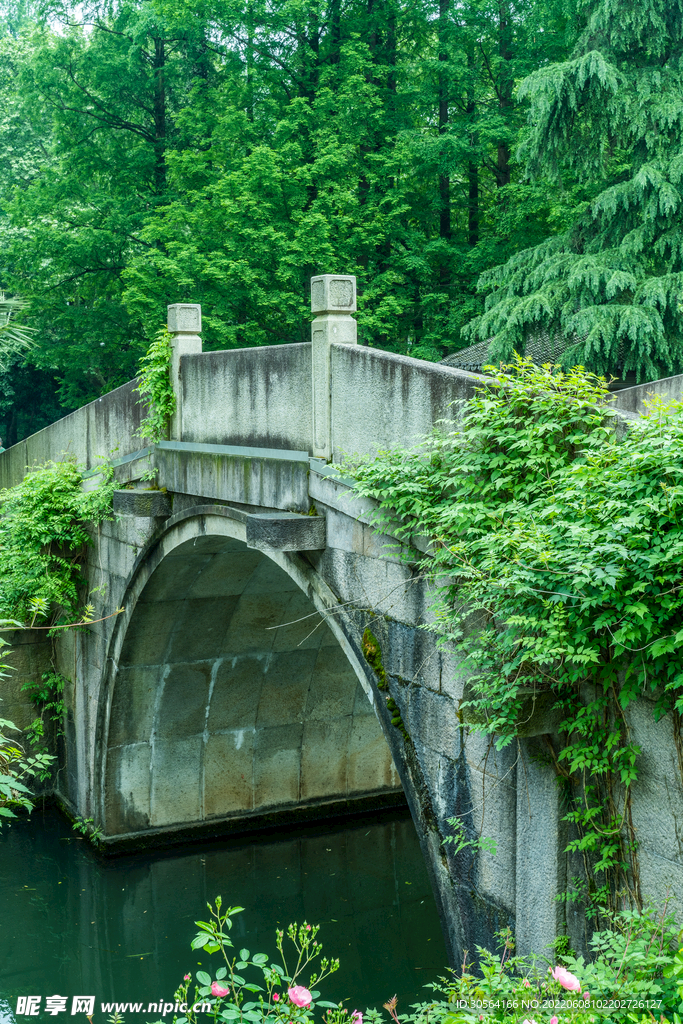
(335,31)
(250,62)
(309,52)
(444,178)
(504,91)
(473,203)
(159,116)
(473,164)
(391,50)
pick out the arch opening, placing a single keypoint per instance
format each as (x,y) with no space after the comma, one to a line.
(216,715)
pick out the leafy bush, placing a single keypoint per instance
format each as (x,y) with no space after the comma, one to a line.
(44,523)
(156,388)
(557,550)
(630,978)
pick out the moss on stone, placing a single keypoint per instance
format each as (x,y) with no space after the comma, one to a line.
(396,719)
(372,653)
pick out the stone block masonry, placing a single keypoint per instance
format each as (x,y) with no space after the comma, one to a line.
(236,690)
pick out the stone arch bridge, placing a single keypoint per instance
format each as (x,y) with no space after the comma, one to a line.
(240,686)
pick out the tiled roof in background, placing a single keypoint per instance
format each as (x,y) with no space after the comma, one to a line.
(542,348)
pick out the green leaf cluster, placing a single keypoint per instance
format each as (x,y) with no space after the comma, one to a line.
(556,545)
(47,695)
(608,117)
(236,999)
(14,337)
(156,388)
(44,527)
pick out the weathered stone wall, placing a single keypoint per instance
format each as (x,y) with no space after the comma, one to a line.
(253,396)
(632,400)
(161,693)
(104,429)
(28,657)
(233,700)
(380,399)
(657,804)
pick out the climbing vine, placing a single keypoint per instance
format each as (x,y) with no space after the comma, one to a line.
(156,388)
(44,531)
(17,768)
(47,696)
(557,554)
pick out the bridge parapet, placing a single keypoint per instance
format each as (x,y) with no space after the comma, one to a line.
(105,428)
(254,673)
(184,322)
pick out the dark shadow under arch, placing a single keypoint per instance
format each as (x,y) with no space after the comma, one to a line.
(216,716)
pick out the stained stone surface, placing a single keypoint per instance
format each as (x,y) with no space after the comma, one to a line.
(216,697)
(226,703)
(144,504)
(185,317)
(331,293)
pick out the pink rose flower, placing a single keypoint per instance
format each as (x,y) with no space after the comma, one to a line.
(586,995)
(299,995)
(219,990)
(276,996)
(526,983)
(357,1017)
(566,979)
(529,1022)
(554,1020)
(187,977)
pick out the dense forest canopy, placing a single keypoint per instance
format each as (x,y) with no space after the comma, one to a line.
(487,168)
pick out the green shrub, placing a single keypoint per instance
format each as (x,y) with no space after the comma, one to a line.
(156,388)
(44,529)
(629,979)
(557,553)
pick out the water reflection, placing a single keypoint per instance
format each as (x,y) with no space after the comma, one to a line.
(74,924)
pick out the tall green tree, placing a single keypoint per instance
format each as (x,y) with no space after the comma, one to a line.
(107,87)
(606,123)
(486,207)
(371,137)
(227,152)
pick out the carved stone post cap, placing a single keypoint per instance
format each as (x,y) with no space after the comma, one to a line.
(333,293)
(184,318)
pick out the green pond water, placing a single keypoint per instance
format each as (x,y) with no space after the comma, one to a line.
(75,924)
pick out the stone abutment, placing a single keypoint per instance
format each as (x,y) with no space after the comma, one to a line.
(238,687)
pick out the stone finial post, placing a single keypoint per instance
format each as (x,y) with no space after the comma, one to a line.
(333,298)
(185,324)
